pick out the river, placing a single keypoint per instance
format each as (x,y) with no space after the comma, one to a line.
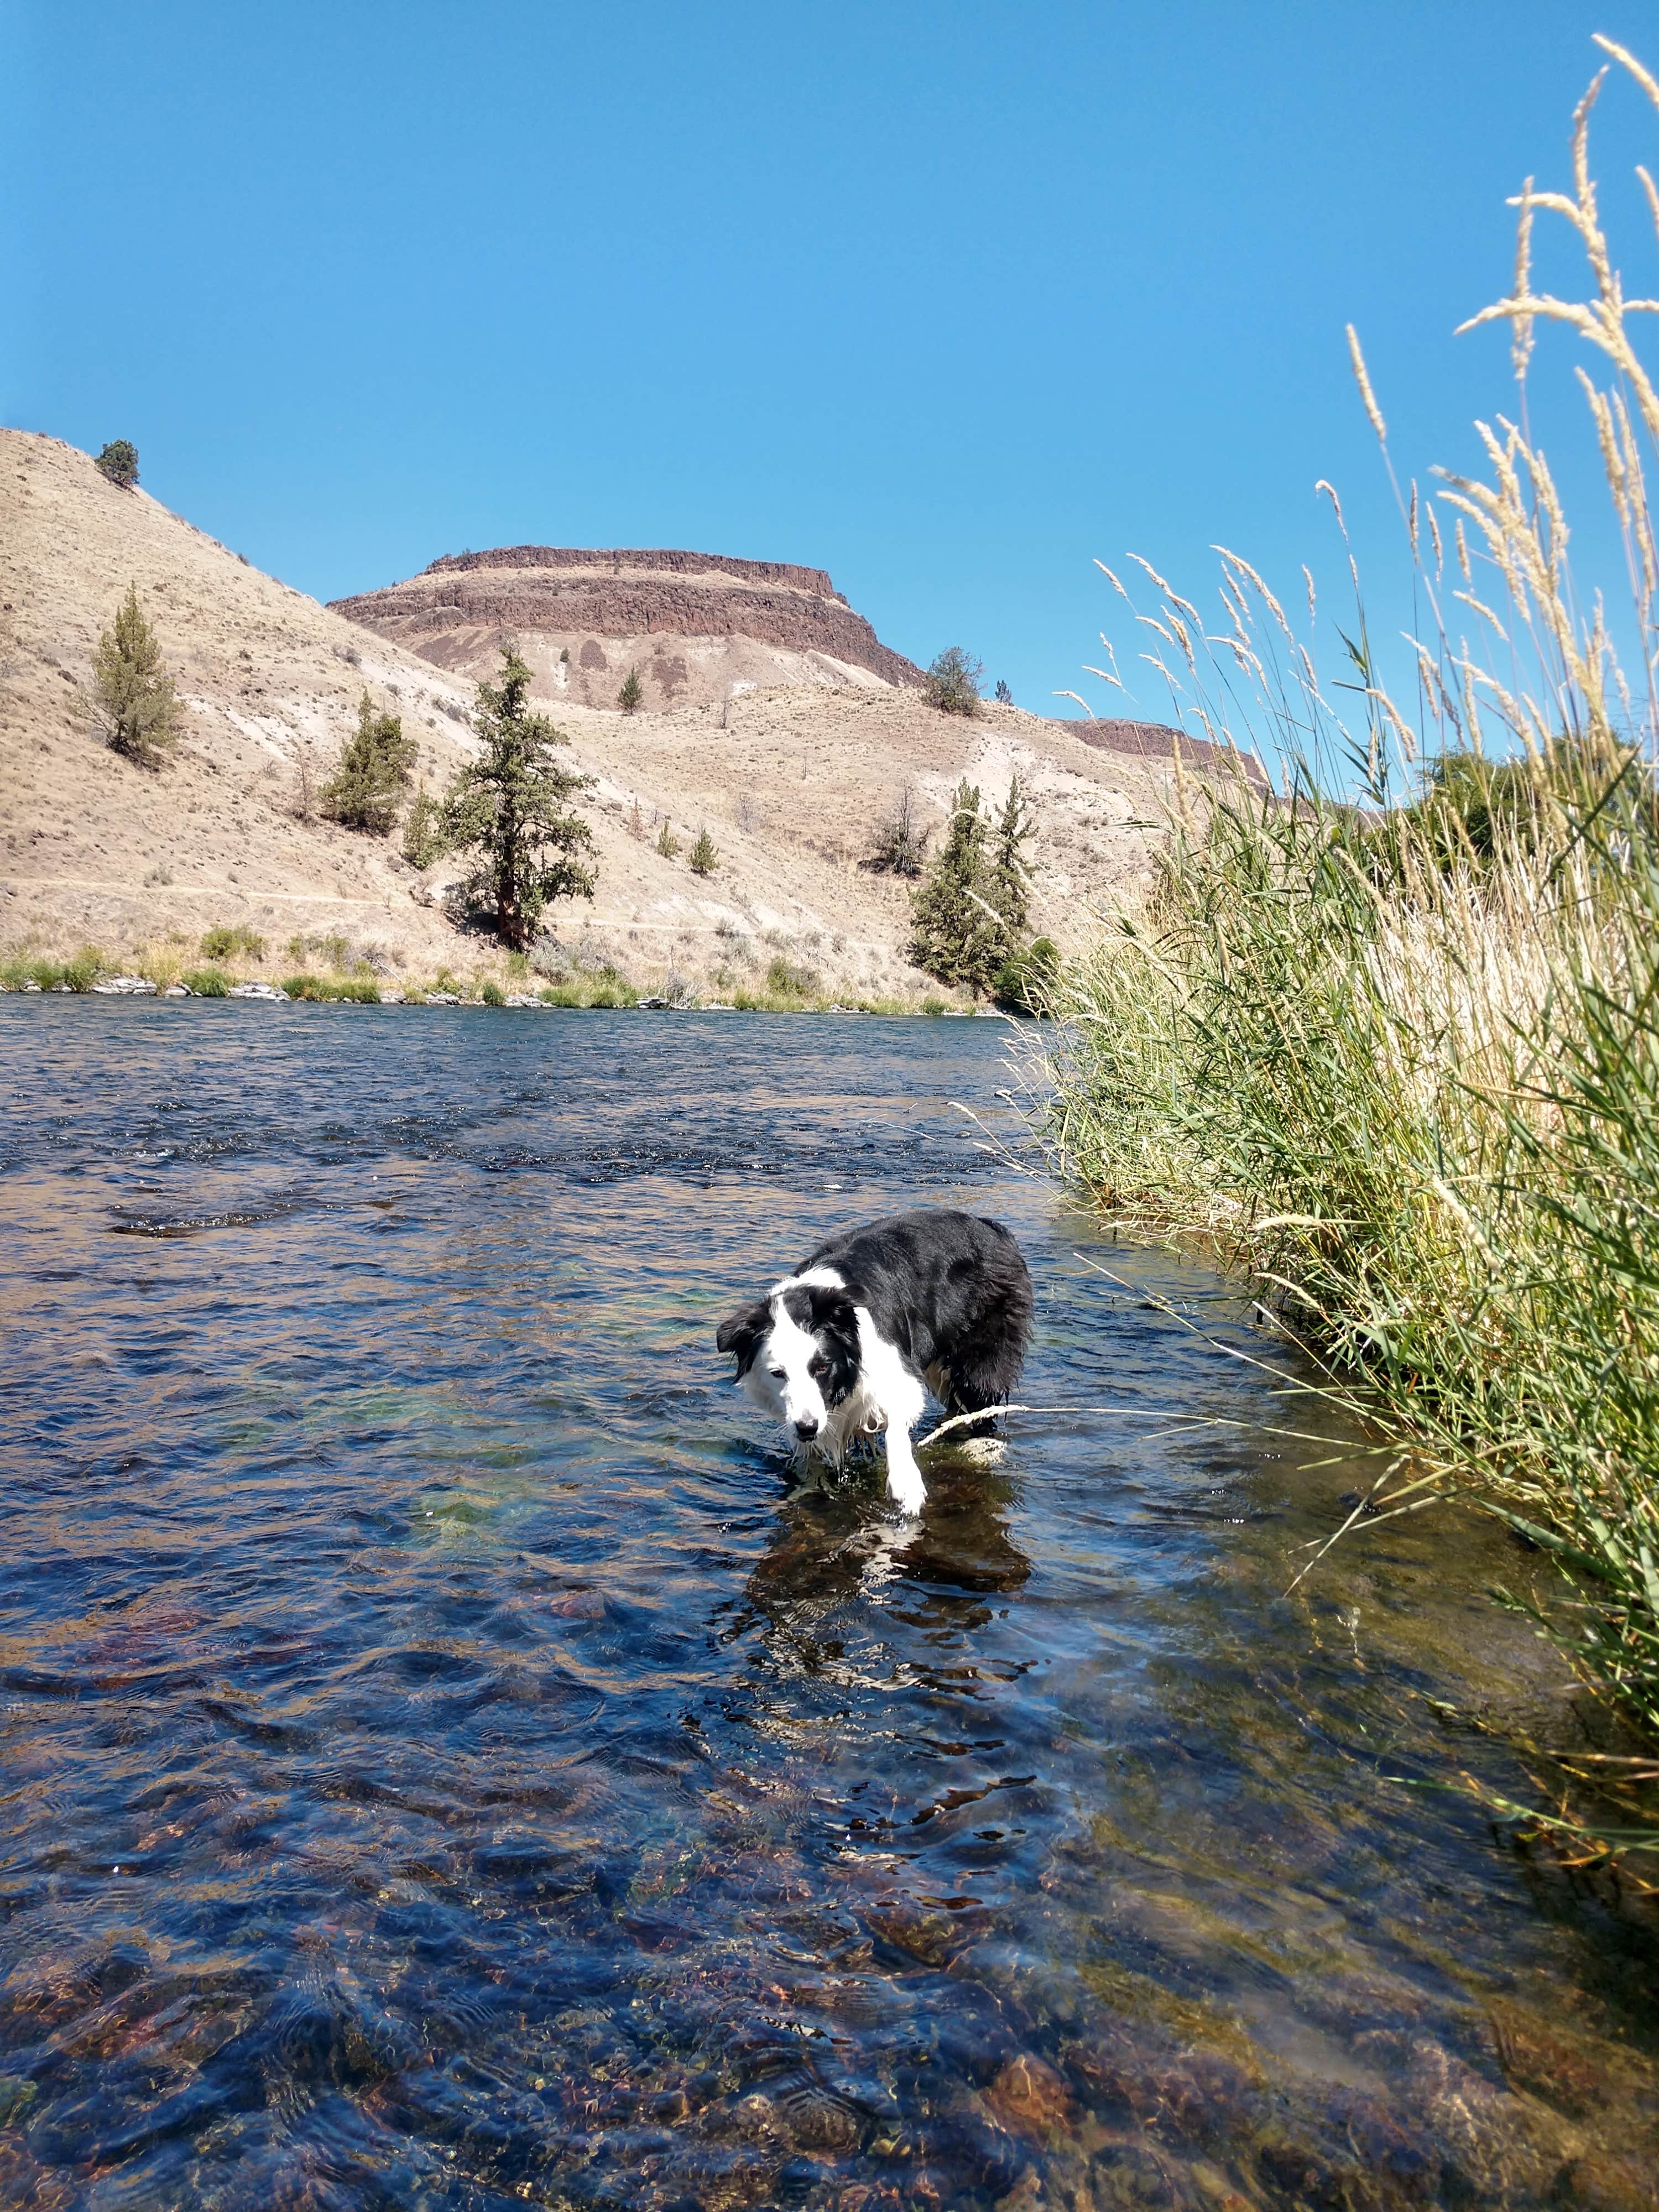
(447,1763)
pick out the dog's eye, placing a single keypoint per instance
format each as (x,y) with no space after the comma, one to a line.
(818,1367)
(776,1374)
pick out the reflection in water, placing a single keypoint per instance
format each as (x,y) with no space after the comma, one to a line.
(448,1763)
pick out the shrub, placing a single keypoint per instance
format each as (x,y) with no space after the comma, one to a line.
(901,848)
(333,947)
(493,995)
(934,1006)
(133,690)
(509,810)
(79,973)
(228,938)
(206,982)
(952,683)
(1026,982)
(786,980)
(374,772)
(303,804)
(704,857)
(119,462)
(361,990)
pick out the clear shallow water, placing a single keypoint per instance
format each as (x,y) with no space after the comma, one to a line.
(446,1763)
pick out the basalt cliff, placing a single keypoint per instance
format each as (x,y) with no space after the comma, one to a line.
(697,627)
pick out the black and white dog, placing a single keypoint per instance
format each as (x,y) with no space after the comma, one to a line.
(851,1342)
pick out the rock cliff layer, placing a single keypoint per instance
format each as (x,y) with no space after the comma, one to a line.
(1156,741)
(583,618)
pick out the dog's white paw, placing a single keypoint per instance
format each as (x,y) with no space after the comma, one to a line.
(906,1489)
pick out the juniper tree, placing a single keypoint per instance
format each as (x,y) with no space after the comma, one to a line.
(704,859)
(119,462)
(509,809)
(630,696)
(423,835)
(136,705)
(374,772)
(1005,696)
(1008,883)
(952,683)
(955,933)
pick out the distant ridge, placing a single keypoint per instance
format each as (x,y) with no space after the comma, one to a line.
(697,626)
(1158,741)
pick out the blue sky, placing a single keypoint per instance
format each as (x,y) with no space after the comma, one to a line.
(946,299)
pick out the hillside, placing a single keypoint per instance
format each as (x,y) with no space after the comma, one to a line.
(792,781)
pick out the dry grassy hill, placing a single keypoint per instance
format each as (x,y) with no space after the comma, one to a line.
(792,782)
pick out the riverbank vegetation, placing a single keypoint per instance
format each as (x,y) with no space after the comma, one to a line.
(341,974)
(1389,1041)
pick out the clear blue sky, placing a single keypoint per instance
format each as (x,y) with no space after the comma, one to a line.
(944,298)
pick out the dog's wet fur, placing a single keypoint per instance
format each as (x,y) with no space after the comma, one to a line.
(851,1342)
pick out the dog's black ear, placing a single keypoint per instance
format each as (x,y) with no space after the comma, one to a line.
(741,1332)
(836,1325)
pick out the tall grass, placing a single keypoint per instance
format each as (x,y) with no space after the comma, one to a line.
(1399,1062)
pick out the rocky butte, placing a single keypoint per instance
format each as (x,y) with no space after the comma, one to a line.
(700,628)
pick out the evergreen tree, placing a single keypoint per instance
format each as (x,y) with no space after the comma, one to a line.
(667,843)
(704,859)
(132,687)
(1005,696)
(1008,888)
(952,683)
(374,772)
(423,835)
(955,933)
(508,810)
(119,462)
(631,694)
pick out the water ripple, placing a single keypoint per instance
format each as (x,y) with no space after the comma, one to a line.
(449,1762)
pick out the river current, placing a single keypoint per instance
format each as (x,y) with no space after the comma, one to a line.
(448,1762)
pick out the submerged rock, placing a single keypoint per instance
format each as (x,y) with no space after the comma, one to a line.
(1028,2097)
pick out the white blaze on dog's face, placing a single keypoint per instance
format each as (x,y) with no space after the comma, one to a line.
(798,1351)
(789,1373)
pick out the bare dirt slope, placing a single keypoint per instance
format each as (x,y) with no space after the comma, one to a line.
(791,783)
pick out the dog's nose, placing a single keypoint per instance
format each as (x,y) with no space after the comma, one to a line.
(807,1428)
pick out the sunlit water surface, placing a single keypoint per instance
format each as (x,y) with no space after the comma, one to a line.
(446,1763)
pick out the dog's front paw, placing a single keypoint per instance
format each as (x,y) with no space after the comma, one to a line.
(906,1489)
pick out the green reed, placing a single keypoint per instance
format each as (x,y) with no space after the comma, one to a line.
(1399,1062)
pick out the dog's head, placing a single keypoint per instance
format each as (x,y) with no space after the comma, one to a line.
(797,1353)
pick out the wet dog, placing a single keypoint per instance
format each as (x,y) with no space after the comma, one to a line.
(851,1342)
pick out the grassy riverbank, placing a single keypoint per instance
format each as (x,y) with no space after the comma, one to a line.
(210,972)
(790,992)
(1399,1062)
